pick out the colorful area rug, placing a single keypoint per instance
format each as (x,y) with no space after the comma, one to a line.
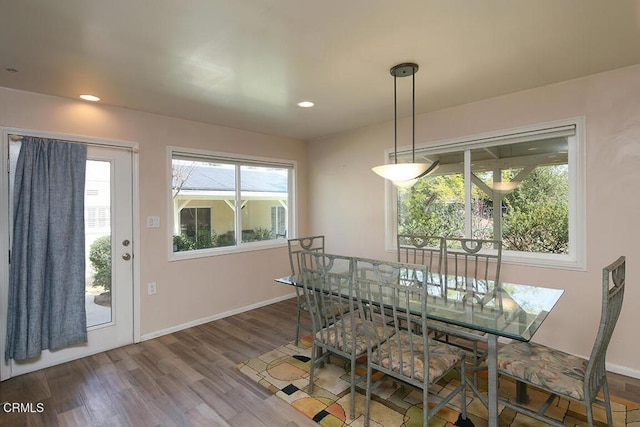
(285,372)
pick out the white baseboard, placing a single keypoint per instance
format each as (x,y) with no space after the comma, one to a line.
(208,319)
(623,370)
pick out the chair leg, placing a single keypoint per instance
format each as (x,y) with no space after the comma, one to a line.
(367,403)
(522,396)
(314,350)
(589,407)
(322,357)
(607,402)
(352,413)
(425,406)
(475,363)
(297,325)
(463,378)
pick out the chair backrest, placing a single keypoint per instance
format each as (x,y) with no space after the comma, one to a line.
(398,292)
(328,291)
(421,249)
(296,246)
(613,282)
(476,259)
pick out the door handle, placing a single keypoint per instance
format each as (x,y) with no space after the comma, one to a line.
(126,256)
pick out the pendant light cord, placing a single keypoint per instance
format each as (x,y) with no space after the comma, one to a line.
(413,119)
(395,121)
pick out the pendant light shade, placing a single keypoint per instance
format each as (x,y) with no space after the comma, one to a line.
(404,174)
(400,171)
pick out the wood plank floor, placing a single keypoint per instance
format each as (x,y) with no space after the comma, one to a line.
(187,378)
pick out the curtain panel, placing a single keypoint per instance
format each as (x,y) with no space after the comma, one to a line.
(47,275)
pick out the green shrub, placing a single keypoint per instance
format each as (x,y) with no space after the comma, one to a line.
(226,239)
(184,242)
(100,257)
(261,233)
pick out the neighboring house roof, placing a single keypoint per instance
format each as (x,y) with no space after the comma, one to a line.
(207,178)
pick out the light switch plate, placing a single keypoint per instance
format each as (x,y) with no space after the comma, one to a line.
(153,222)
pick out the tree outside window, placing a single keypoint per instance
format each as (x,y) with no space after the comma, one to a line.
(519,194)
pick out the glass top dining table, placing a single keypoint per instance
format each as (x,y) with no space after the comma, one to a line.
(498,309)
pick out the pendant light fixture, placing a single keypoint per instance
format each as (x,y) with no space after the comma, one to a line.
(404,174)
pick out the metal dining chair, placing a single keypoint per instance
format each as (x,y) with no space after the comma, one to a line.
(472,267)
(564,375)
(296,247)
(422,249)
(397,351)
(337,328)
(475,260)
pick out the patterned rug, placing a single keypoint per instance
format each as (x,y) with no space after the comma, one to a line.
(285,372)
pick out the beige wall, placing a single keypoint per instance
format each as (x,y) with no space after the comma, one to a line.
(352,216)
(191,289)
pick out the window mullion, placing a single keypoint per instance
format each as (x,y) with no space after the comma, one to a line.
(238,203)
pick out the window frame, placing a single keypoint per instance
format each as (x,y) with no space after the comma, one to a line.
(237,160)
(575,259)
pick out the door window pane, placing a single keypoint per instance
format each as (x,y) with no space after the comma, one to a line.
(97,213)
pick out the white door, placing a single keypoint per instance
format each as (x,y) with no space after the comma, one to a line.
(108,235)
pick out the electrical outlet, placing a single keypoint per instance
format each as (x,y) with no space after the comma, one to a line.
(151,288)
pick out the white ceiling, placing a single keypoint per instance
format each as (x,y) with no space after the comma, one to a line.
(246,63)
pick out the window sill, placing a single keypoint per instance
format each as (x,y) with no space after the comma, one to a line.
(562,262)
(229,250)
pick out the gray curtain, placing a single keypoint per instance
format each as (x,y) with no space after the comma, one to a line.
(47,278)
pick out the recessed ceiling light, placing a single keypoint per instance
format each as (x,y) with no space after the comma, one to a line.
(91,98)
(305,104)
